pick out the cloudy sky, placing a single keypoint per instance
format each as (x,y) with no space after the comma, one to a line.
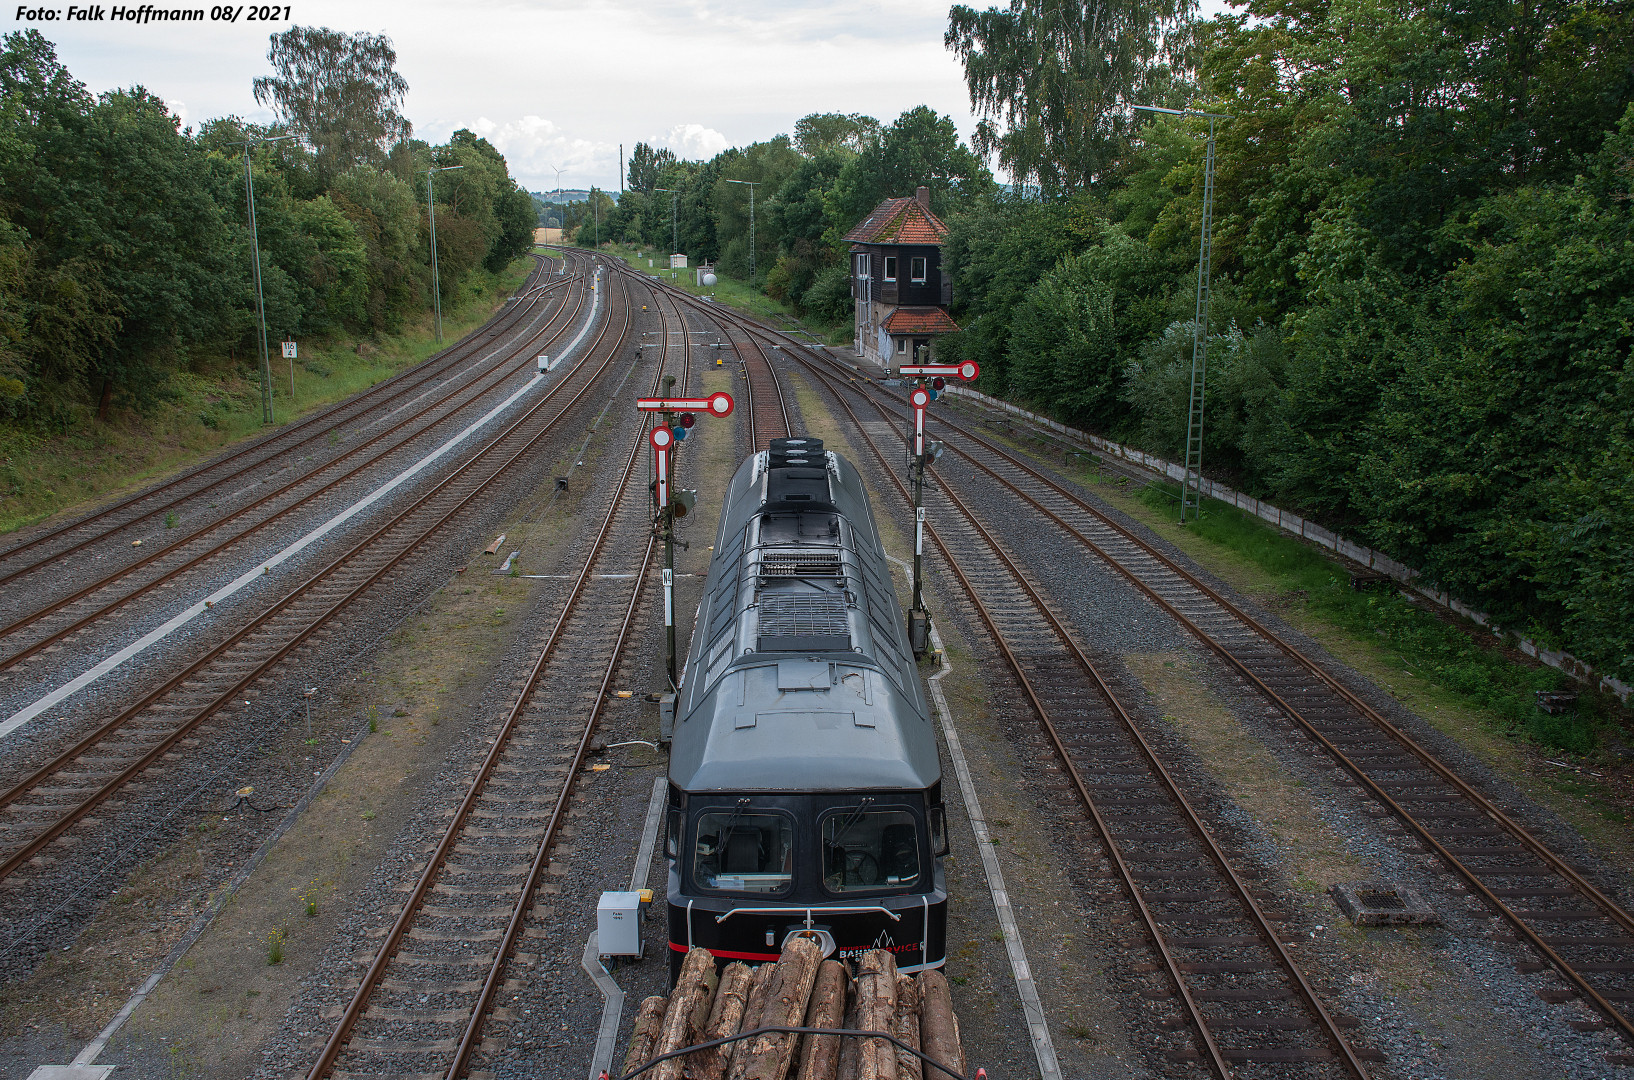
(558,85)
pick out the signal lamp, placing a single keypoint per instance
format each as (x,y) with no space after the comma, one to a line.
(680,432)
(682,502)
(937,383)
(688,419)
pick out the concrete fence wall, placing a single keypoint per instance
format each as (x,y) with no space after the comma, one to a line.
(1298,526)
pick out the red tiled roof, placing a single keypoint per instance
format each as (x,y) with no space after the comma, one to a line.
(919,320)
(899,221)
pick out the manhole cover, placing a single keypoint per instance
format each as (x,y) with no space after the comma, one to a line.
(1372,903)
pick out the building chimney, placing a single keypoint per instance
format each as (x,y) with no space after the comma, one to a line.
(922,197)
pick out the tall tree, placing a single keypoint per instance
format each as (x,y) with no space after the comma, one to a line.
(645,166)
(822,132)
(341,91)
(1054,79)
(920,147)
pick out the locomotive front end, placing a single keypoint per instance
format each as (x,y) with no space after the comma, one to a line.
(805,782)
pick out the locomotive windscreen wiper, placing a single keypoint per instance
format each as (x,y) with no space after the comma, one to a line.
(726,830)
(849,821)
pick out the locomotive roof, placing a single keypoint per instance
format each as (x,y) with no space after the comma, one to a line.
(800,676)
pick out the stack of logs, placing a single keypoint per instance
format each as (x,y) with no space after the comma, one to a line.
(800,990)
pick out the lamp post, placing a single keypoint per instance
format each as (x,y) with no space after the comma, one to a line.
(752,185)
(674,235)
(260,296)
(436,285)
(1191,485)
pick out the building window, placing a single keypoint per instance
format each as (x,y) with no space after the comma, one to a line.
(862,267)
(890,268)
(902,346)
(919,270)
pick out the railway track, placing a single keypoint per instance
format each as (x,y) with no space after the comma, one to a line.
(43,806)
(1242,998)
(1575,929)
(767,413)
(51,620)
(305,437)
(422,1007)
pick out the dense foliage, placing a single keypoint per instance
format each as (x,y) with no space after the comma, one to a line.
(1423,268)
(125,250)
(808,191)
(1423,265)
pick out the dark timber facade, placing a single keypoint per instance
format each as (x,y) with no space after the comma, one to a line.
(896,279)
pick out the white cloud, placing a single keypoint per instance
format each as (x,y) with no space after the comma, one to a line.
(532,76)
(177,108)
(694,142)
(535,147)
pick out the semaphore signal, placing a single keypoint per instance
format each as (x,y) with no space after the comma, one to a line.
(671,429)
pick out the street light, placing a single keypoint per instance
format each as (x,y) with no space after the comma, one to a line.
(674,236)
(436,285)
(260,296)
(1199,329)
(752,185)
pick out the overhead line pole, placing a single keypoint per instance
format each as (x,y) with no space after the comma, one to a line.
(260,296)
(436,285)
(561,207)
(1191,484)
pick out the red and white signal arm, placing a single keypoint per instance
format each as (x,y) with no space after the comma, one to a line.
(717,405)
(663,442)
(967,370)
(920,398)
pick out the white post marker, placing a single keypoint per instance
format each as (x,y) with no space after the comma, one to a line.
(289,354)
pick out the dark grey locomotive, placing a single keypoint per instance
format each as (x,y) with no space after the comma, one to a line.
(805,784)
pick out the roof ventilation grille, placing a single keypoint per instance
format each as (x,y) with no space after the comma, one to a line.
(800,564)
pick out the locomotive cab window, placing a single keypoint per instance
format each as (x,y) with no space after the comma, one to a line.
(738,851)
(868,850)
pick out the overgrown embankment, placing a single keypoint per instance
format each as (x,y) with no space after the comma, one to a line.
(201,413)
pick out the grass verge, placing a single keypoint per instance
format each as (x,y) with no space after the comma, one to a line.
(218,404)
(1422,644)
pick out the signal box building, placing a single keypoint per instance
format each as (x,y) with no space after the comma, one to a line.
(901,294)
